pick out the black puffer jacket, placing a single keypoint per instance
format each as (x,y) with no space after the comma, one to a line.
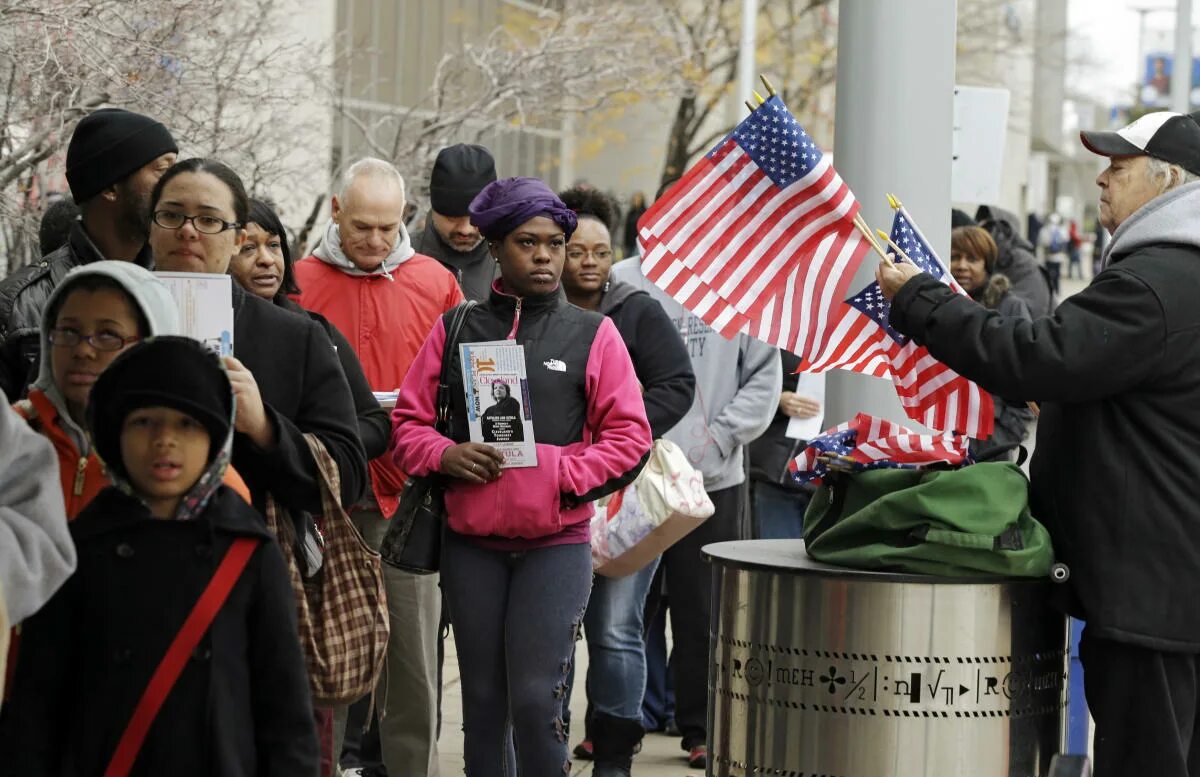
(1115,471)
(1017,260)
(659,356)
(23,296)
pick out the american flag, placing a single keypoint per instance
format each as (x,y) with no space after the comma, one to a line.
(758,236)
(866,442)
(863,341)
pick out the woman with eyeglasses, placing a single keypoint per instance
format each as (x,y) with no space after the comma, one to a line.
(616,677)
(284,371)
(97,312)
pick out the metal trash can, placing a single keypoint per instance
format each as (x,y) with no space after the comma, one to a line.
(822,671)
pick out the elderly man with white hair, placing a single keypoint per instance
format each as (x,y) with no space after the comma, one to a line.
(384,298)
(1116,472)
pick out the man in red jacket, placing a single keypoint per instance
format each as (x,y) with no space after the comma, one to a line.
(384,297)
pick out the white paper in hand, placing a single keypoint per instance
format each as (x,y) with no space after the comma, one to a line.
(205,302)
(810,387)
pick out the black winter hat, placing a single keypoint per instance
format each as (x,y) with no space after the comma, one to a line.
(459,173)
(168,371)
(959,218)
(109,145)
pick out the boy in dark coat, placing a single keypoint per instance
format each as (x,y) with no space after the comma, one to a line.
(161,416)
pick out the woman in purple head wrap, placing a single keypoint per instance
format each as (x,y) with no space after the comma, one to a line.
(516,560)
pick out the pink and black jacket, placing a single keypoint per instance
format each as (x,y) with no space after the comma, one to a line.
(588,416)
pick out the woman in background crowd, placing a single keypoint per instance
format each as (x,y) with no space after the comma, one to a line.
(263,267)
(973,264)
(613,623)
(516,561)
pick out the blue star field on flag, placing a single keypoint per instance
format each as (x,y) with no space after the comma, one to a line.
(777,143)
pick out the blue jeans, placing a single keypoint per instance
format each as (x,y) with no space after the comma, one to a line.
(616,676)
(778,512)
(515,617)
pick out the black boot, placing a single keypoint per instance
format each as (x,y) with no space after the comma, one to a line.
(614,741)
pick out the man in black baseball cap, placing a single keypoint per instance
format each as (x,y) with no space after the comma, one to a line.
(113,161)
(1115,475)
(459,173)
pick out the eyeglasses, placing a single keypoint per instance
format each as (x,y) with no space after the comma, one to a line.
(576,254)
(101,341)
(208,225)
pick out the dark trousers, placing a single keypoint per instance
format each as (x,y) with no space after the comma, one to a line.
(1144,705)
(689,584)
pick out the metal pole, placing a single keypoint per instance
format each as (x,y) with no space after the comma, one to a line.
(746,49)
(895,117)
(1181,71)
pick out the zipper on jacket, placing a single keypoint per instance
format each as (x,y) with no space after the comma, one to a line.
(80,469)
(516,321)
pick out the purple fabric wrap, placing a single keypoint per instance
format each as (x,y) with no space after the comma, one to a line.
(508,203)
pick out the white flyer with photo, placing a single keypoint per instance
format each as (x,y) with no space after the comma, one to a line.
(205,302)
(497,390)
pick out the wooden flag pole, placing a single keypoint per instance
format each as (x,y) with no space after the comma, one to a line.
(767,85)
(750,105)
(759,98)
(899,251)
(861,225)
(895,204)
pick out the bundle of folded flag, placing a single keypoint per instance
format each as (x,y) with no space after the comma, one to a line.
(866,442)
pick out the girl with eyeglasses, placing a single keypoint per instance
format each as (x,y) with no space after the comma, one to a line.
(616,676)
(97,312)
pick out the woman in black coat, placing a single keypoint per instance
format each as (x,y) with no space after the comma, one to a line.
(613,621)
(286,376)
(263,267)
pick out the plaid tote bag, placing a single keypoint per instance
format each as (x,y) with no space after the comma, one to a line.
(342,609)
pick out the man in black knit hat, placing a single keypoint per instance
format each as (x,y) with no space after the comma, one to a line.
(459,173)
(113,161)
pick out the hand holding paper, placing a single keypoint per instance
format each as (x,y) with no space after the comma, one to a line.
(251,419)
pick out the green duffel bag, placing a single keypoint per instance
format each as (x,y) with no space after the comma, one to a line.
(965,522)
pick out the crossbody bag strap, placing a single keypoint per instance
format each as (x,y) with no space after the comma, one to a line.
(176,657)
(442,420)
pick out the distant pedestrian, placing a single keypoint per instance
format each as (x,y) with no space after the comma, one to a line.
(1074,251)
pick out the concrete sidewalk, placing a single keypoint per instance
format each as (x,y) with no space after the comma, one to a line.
(660,756)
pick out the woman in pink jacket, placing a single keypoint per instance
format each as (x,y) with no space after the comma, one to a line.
(516,563)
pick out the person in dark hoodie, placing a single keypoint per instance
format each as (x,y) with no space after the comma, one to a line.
(973,265)
(459,173)
(1114,474)
(1016,259)
(161,417)
(613,623)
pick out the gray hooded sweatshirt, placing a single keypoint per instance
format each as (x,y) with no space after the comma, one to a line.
(150,294)
(1168,218)
(738,383)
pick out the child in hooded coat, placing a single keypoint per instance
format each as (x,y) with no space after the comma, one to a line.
(161,417)
(54,409)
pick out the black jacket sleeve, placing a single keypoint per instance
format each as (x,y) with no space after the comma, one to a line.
(284,734)
(662,365)
(1099,342)
(374,424)
(326,409)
